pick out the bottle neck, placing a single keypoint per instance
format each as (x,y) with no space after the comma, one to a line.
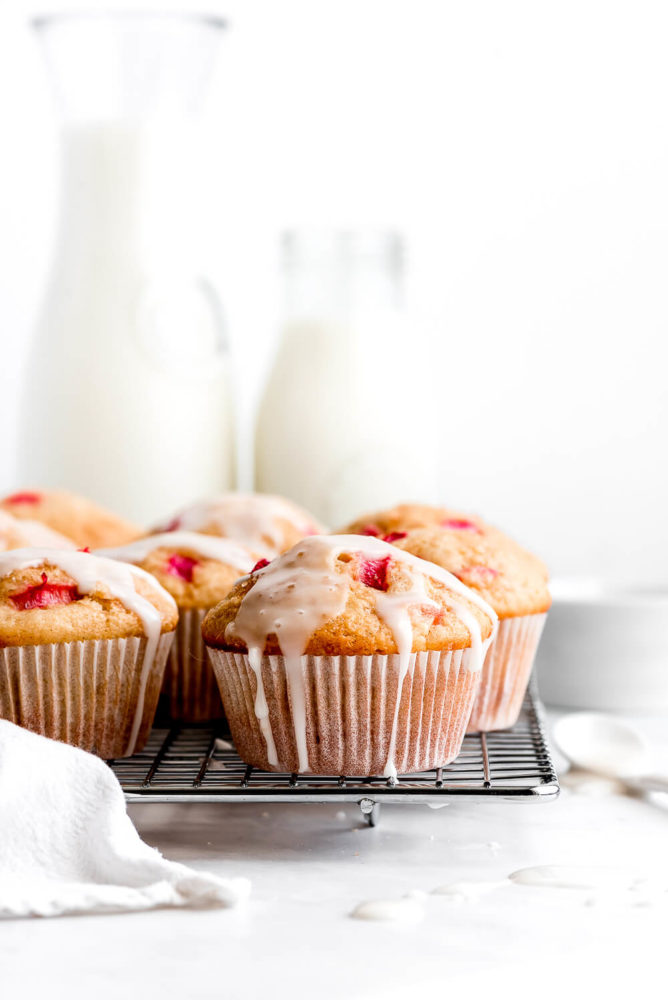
(342,290)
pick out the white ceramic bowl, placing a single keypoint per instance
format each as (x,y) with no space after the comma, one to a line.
(605,647)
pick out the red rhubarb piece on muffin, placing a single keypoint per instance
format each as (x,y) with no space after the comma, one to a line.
(44,595)
(373,572)
(182,566)
(25,497)
(459,524)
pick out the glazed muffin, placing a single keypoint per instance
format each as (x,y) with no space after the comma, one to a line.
(346,655)
(20,534)
(513,581)
(198,571)
(266,524)
(83,647)
(86,524)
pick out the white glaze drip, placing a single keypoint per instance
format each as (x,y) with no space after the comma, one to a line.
(89,572)
(30,534)
(406,910)
(393,610)
(261,708)
(468,892)
(224,550)
(249,517)
(575,877)
(301,590)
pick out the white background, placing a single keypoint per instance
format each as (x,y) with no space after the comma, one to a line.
(522,148)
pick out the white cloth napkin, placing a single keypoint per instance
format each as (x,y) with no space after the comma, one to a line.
(67,844)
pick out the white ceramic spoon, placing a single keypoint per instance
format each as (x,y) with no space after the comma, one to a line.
(606,745)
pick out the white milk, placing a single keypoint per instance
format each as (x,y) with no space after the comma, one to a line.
(346,422)
(128,387)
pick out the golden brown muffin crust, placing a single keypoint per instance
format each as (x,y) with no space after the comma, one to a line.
(359,630)
(404,516)
(211,580)
(73,516)
(98,615)
(507,576)
(197,570)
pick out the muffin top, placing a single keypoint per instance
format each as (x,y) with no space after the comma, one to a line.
(50,595)
(404,516)
(347,595)
(197,570)
(267,524)
(77,518)
(512,580)
(19,534)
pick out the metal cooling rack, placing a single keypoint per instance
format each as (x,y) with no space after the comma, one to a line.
(199,764)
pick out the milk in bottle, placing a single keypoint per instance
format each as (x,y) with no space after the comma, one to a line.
(127,394)
(346,422)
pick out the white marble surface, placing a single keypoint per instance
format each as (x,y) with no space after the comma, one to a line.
(310,865)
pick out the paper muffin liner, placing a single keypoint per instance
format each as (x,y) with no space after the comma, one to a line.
(190,683)
(98,694)
(506,673)
(349,707)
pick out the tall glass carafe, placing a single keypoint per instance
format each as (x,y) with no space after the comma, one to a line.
(127,392)
(346,423)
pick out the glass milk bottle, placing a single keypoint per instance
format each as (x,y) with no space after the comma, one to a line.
(127,393)
(346,421)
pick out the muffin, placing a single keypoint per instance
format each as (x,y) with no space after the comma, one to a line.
(266,524)
(83,647)
(86,524)
(198,571)
(347,656)
(20,534)
(513,581)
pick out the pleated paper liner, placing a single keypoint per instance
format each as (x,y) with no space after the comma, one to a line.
(98,694)
(350,705)
(506,673)
(190,685)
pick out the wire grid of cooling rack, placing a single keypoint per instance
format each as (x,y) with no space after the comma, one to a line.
(200,764)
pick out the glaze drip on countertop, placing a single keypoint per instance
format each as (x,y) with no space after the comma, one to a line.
(251,518)
(575,877)
(548,877)
(406,910)
(224,550)
(468,891)
(89,572)
(301,590)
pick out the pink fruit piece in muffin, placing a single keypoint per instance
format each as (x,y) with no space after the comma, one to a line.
(373,572)
(182,566)
(459,524)
(24,497)
(44,595)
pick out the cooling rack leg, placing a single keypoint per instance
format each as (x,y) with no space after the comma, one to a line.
(370,811)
